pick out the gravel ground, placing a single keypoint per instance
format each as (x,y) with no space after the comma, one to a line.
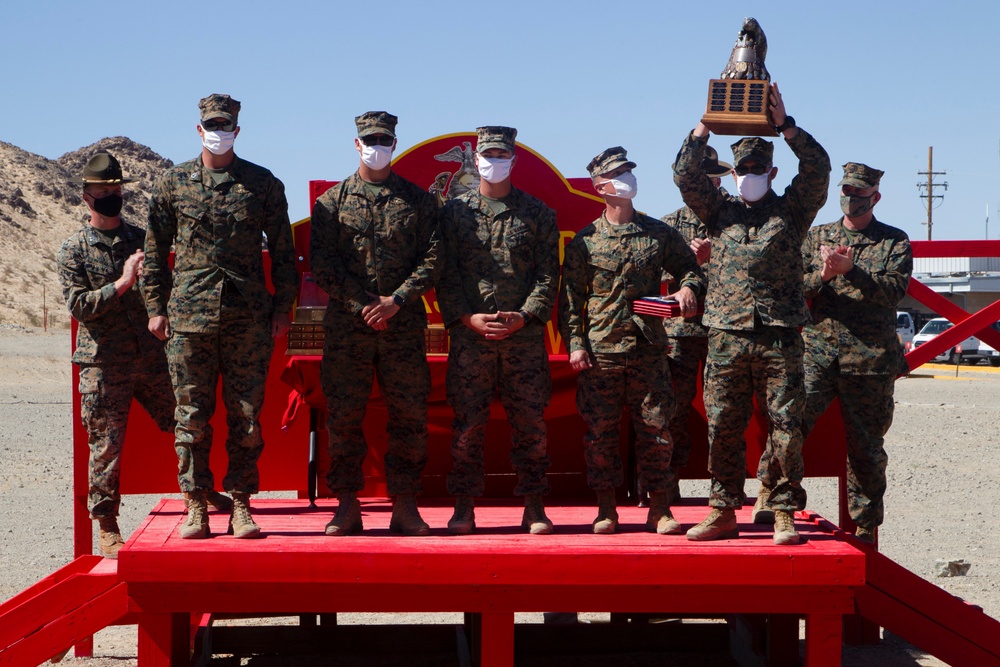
(942,484)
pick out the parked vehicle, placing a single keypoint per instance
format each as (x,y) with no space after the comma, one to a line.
(906,328)
(987,352)
(970,346)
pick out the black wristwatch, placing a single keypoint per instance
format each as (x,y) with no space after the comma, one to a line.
(789,122)
(398,300)
(525,316)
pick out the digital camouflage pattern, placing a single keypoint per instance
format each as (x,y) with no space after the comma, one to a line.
(495,136)
(639,381)
(754,148)
(112,328)
(350,360)
(605,268)
(498,262)
(216,232)
(388,246)
(685,357)
(861,175)
(854,315)
(866,406)
(756,250)
(218,305)
(240,351)
(851,349)
(688,341)
(741,364)
(383,245)
(119,359)
(219,106)
(501,262)
(106,393)
(609,160)
(753,309)
(517,370)
(687,224)
(376,122)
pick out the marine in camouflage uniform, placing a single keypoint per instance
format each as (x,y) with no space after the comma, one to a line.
(857,270)
(754,307)
(687,338)
(620,354)
(118,358)
(215,211)
(499,284)
(374,249)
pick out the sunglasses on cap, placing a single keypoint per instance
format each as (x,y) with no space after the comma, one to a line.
(373,140)
(756,170)
(218,124)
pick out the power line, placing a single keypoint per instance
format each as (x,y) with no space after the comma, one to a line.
(928,188)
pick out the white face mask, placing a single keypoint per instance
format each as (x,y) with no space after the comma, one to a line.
(753,187)
(376,157)
(494,169)
(625,185)
(217,143)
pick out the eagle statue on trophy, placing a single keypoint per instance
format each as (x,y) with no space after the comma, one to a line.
(747,59)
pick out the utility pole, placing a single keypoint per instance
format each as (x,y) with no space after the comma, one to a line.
(928,188)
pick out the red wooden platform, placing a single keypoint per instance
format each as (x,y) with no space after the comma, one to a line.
(495,572)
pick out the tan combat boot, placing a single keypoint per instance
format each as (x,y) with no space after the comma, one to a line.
(660,519)
(241,524)
(463,521)
(221,502)
(534,519)
(865,534)
(762,514)
(196,525)
(720,524)
(784,528)
(110,536)
(405,517)
(606,522)
(347,519)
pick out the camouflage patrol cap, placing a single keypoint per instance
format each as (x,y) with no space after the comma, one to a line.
(102,169)
(710,163)
(219,106)
(376,122)
(495,136)
(609,160)
(753,148)
(860,175)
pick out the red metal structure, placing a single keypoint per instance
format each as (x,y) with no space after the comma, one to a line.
(168,587)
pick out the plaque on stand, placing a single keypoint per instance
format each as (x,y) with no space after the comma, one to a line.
(738,100)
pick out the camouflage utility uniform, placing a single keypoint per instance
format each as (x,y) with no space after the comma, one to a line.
(606,267)
(688,346)
(118,357)
(753,311)
(499,262)
(852,352)
(218,305)
(375,239)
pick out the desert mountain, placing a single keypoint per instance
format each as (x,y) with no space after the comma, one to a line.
(40,207)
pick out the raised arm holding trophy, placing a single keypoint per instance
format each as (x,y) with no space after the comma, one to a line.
(755,303)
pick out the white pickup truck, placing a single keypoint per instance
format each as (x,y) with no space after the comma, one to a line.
(987,352)
(905,327)
(970,346)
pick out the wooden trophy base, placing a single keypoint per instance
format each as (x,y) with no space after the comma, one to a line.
(738,107)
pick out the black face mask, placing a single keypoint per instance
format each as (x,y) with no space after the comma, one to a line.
(109,206)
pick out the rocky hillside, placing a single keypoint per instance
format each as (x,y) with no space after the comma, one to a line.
(40,207)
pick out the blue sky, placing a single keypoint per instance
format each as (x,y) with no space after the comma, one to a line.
(874,82)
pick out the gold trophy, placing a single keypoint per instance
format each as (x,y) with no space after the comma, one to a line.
(737,100)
